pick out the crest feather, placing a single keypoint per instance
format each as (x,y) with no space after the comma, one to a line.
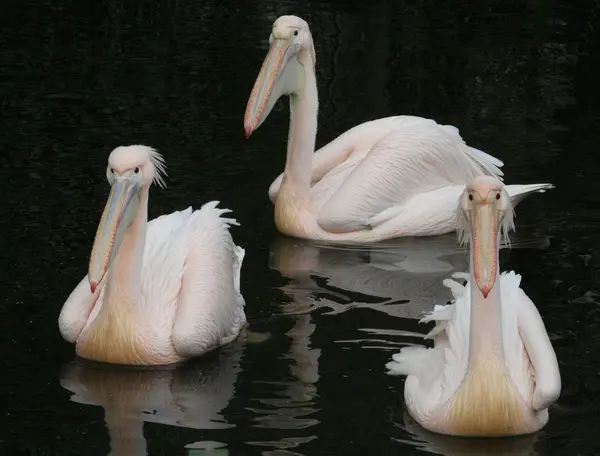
(160,166)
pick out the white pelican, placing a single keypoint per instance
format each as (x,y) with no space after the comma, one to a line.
(492,370)
(158,292)
(391,177)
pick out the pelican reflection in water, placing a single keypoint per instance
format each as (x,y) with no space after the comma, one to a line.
(289,405)
(193,395)
(452,446)
(401,278)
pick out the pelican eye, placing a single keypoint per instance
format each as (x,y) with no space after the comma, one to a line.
(136,170)
(470,197)
(497,196)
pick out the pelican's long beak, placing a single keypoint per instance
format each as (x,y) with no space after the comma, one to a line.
(484,226)
(279,75)
(119,212)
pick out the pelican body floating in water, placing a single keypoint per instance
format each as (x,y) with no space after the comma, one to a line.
(492,371)
(391,177)
(160,292)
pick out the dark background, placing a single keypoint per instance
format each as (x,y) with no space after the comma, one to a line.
(79,78)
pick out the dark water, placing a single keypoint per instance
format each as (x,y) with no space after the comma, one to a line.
(80,78)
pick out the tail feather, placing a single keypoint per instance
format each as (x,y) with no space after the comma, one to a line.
(239,254)
(216,214)
(518,192)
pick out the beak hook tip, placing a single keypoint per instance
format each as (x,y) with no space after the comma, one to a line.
(93,286)
(485,291)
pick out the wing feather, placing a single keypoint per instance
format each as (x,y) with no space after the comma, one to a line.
(538,363)
(190,282)
(75,311)
(517,360)
(210,311)
(457,329)
(163,267)
(417,157)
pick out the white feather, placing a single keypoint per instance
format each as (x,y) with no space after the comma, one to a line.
(436,373)
(160,166)
(190,300)
(396,176)
(196,320)
(209,310)
(387,178)
(418,156)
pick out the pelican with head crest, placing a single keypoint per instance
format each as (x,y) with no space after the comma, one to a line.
(156,292)
(387,178)
(492,371)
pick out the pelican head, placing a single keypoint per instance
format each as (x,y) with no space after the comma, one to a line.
(291,53)
(130,170)
(485,214)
